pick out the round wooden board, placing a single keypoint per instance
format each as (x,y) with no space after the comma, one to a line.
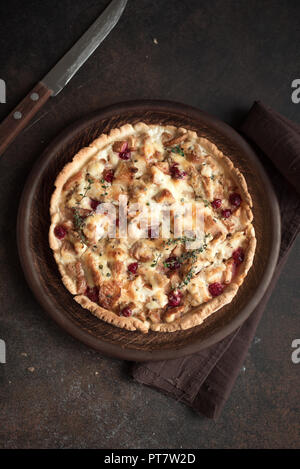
(41,270)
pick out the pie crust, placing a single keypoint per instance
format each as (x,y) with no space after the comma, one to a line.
(142,283)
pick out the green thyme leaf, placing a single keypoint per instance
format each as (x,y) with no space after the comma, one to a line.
(178,150)
(78,225)
(155,261)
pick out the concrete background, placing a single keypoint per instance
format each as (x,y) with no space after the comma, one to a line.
(218,55)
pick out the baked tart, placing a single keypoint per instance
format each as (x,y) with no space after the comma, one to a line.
(151,228)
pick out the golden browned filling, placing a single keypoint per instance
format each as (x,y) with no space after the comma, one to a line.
(159,171)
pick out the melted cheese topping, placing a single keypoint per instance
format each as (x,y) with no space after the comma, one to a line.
(162,171)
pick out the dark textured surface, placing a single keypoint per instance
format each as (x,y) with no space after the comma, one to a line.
(218,56)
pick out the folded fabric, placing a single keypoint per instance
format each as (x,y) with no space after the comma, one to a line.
(204,380)
(278,138)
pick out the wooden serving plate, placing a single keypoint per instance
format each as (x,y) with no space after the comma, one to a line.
(41,270)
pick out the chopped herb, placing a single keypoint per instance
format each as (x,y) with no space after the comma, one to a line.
(212,177)
(100,266)
(178,150)
(186,279)
(86,189)
(191,256)
(155,261)
(182,240)
(205,201)
(171,263)
(189,276)
(79,224)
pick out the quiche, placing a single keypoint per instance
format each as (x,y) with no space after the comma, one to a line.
(151,228)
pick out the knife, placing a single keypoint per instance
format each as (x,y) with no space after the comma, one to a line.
(60,74)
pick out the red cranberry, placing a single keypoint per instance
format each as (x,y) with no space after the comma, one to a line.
(125,153)
(216,203)
(108,175)
(226,213)
(174,298)
(93,294)
(132,268)
(238,256)
(172,263)
(94,204)
(60,232)
(176,173)
(126,312)
(235,199)
(215,289)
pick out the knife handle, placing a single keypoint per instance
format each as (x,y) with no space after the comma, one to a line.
(15,122)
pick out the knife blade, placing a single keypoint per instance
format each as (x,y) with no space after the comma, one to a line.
(70,63)
(60,74)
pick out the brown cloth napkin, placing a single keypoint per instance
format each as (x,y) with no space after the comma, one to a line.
(204,380)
